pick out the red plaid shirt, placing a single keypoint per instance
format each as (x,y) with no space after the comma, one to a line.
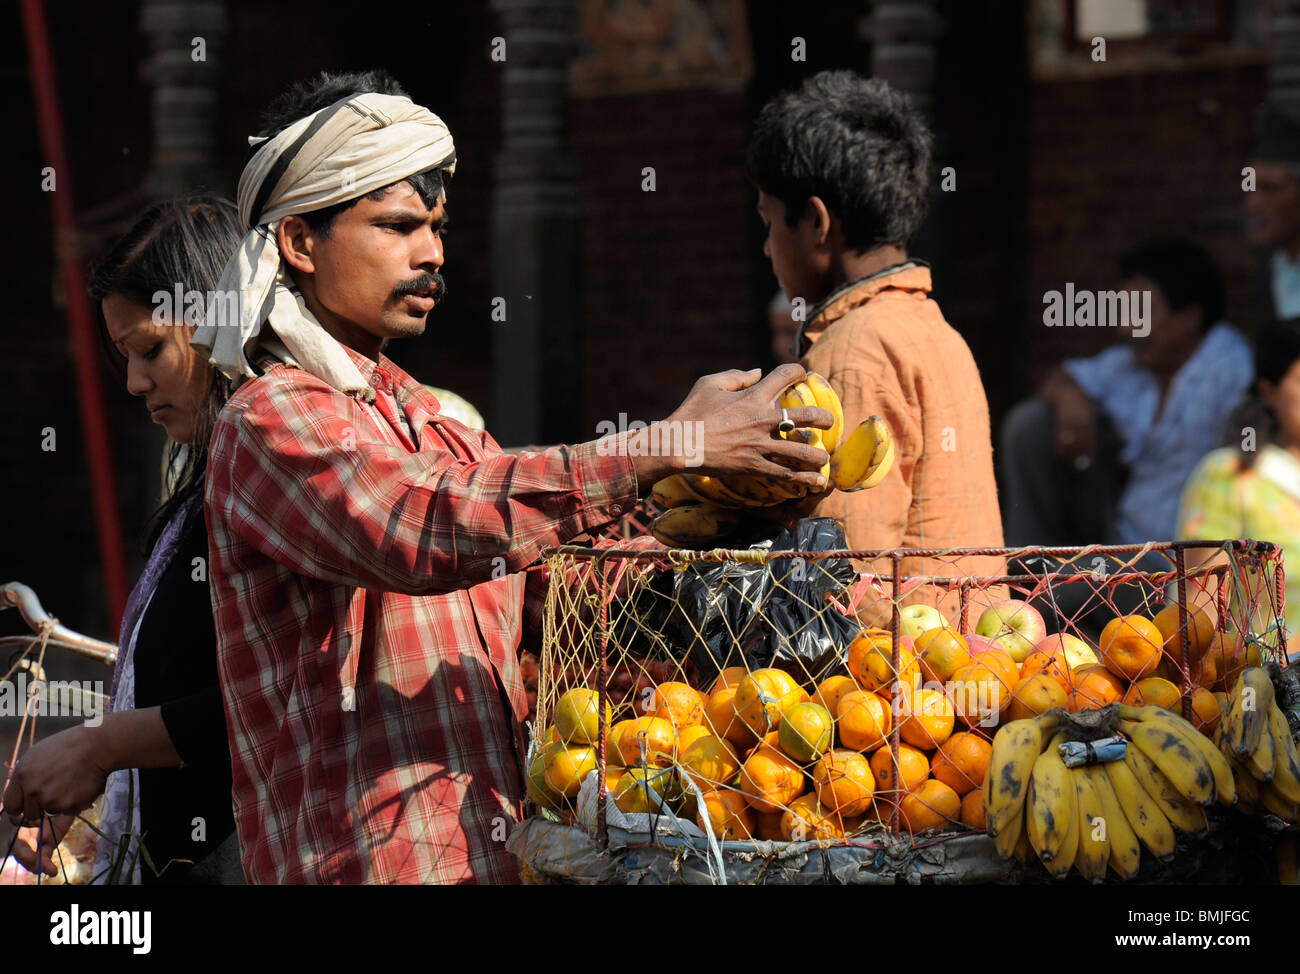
(366,580)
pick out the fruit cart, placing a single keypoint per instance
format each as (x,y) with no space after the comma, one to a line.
(786,714)
(24,662)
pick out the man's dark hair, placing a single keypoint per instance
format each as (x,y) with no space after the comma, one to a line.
(1183,270)
(307,97)
(856,143)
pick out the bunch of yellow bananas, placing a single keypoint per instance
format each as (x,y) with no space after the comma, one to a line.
(1257,739)
(1099,815)
(701,511)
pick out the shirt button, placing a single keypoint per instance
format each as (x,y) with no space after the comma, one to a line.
(616,509)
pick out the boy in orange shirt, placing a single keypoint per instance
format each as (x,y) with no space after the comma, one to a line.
(842,167)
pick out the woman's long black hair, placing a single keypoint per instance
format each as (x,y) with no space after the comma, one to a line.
(186,242)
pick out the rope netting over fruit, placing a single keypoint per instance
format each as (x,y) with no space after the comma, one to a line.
(740,696)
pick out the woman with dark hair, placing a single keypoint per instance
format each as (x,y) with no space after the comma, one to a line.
(1252,488)
(161,756)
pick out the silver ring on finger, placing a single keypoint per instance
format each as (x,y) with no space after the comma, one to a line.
(787,424)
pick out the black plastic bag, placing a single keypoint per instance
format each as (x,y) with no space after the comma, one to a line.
(775,614)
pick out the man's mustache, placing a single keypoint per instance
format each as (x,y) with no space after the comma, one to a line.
(433,283)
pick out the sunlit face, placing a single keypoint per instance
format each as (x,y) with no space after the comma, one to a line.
(1273,208)
(161,367)
(799,268)
(376,273)
(1284,398)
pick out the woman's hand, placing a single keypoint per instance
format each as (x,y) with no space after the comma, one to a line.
(60,775)
(52,832)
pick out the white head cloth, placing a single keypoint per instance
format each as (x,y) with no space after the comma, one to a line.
(350,148)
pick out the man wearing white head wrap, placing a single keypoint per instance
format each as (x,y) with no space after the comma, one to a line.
(368,552)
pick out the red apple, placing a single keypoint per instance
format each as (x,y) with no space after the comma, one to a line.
(1013,624)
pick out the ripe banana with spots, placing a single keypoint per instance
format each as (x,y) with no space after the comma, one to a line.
(865,457)
(1052,810)
(673,492)
(695,525)
(1176,732)
(1142,812)
(1016,746)
(1125,851)
(1094,833)
(1257,740)
(1183,813)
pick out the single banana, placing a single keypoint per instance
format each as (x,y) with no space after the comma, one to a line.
(1125,850)
(1286,763)
(1263,759)
(828,400)
(1247,786)
(1224,789)
(1255,691)
(1016,747)
(1181,763)
(1185,815)
(865,457)
(1232,733)
(767,491)
(1094,841)
(1054,804)
(1023,849)
(713,490)
(1142,811)
(673,492)
(694,525)
(1010,835)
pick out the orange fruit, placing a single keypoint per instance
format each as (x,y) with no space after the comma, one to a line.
(1052,665)
(844,783)
(1224,660)
(806,732)
(566,766)
(981,692)
(728,678)
(864,720)
(1201,622)
(941,652)
(535,783)
(613,752)
(1092,687)
(762,696)
(1206,712)
(729,814)
(677,703)
(767,826)
(806,820)
(972,809)
(831,690)
(933,805)
(577,716)
(913,768)
(645,790)
(1003,665)
(709,762)
(1131,646)
(1035,695)
(962,761)
(925,718)
(769,779)
(721,717)
(612,774)
(689,735)
(647,740)
(871,664)
(1152,691)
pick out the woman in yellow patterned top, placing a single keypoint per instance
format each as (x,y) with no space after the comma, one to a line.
(1253,490)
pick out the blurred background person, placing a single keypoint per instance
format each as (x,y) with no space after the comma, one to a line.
(1273,217)
(1251,489)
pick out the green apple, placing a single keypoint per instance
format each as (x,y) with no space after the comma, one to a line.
(916,619)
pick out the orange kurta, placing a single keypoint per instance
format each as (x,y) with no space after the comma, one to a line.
(885,347)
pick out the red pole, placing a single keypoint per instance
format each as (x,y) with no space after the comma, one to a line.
(81,320)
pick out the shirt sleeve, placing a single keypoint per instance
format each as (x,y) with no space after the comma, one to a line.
(1097,375)
(1210,509)
(294,478)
